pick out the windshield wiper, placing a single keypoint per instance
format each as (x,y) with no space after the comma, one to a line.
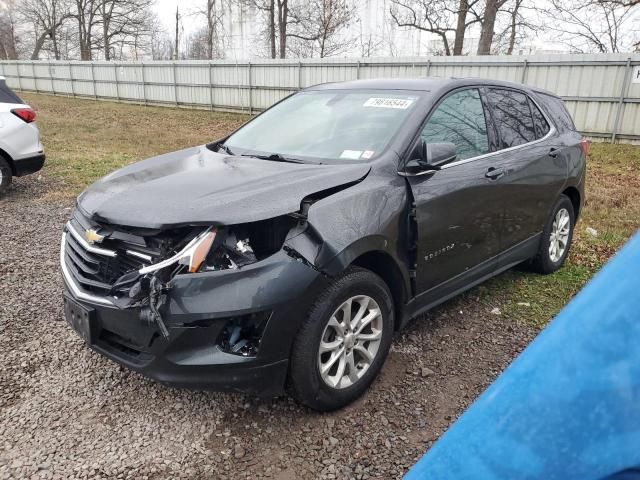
(274,157)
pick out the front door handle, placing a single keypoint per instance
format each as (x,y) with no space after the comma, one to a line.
(494,173)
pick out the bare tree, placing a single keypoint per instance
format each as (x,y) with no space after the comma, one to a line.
(516,23)
(160,42)
(86,16)
(443,18)
(268,9)
(488,24)
(45,17)
(321,27)
(8,37)
(213,35)
(123,22)
(596,25)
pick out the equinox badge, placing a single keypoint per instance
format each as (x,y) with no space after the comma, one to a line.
(92,236)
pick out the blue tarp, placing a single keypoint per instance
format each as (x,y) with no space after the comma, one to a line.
(568,407)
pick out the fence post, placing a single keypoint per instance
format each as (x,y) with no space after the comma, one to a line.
(625,86)
(523,76)
(250,92)
(19,79)
(115,71)
(299,75)
(175,83)
(53,86)
(428,67)
(358,70)
(144,84)
(73,90)
(93,81)
(211,85)
(35,80)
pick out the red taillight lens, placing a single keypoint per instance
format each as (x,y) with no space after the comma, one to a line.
(26,114)
(584,145)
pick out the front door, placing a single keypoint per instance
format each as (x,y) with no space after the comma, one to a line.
(459,208)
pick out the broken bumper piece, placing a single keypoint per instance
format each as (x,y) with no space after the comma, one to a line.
(228,330)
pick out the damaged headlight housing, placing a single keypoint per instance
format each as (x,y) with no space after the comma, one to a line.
(192,256)
(222,248)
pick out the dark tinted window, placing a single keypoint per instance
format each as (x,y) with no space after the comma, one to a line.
(460,120)
(541,124)
(512,116)
(559,114)
(6,95)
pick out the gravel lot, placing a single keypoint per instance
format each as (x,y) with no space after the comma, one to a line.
(66,412)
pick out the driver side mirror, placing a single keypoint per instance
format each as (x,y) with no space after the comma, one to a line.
(427,157)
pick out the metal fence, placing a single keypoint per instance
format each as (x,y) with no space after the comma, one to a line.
(602,92)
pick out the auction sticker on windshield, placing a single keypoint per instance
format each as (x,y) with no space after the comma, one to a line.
(385,102)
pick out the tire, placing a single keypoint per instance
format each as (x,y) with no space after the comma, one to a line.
(546,261)
(5,175)
(306,383)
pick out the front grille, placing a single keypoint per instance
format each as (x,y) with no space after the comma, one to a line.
(94,272)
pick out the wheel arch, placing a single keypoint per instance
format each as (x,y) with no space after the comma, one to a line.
(384,265)
(574,195)
(9,160)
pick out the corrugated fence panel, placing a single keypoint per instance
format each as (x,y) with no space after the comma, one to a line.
(597,88)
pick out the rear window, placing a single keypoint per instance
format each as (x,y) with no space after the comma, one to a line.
(7,95)
(558,111)
(513,117)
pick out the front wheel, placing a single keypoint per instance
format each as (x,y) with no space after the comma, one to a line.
(556,237)
(344,341)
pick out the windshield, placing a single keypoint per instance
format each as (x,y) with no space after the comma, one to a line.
(328,124)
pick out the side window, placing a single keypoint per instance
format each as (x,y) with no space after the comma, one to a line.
(460,120)
(512,116)
(540,123)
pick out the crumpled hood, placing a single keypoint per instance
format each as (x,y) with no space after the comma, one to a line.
(198,186)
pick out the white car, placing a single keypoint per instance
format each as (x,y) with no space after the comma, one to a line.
(21,152)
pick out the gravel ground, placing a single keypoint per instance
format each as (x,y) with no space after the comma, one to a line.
(66,412)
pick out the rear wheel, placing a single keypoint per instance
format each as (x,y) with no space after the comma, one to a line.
(556,237)
(344,341)
(5,175)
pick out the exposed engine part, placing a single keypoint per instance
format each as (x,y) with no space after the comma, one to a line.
(157,298)
(242,335)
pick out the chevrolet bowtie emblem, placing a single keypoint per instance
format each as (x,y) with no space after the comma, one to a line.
(92,236)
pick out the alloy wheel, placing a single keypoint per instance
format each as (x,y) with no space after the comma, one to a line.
(559,235)
(350,341)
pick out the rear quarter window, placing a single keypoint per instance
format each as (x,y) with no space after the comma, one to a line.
(558,112)
(7,95)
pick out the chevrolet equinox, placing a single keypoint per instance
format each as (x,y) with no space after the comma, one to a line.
(284,256)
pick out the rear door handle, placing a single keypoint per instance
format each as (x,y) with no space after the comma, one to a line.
(494,173)
(553,153)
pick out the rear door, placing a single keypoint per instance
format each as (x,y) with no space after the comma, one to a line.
(458,208)
(534,166)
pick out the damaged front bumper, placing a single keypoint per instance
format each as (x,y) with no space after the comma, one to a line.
(227,330)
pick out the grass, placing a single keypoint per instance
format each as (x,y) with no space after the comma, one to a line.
(85,140)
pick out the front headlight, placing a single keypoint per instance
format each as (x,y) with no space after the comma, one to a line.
(192,255)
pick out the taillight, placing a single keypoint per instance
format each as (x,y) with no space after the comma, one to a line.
(584,145)
(26,114)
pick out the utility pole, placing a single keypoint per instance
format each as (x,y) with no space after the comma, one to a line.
(175,54)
